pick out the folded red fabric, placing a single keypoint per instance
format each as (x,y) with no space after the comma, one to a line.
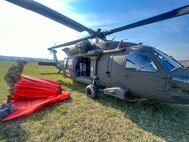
(31,93)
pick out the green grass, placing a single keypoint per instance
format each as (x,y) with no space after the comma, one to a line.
(83,119)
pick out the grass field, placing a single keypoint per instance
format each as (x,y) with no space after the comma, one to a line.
(82,119)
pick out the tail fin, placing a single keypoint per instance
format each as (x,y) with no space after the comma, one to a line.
(54,56)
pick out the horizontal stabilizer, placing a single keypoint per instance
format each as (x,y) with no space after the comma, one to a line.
(46,63)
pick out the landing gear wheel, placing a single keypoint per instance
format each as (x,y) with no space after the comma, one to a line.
(131,99)
(91,91)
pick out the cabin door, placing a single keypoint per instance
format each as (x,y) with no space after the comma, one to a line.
(142,76)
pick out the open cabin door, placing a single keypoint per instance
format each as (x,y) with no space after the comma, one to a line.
(82,69)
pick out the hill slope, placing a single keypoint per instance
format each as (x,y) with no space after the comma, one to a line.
(29,59)
(83,119)
(185,63)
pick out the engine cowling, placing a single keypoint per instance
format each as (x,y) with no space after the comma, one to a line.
(80,48)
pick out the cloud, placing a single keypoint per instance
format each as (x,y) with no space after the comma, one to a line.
(24,33)
(92,20)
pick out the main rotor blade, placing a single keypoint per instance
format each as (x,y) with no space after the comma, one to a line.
(70,43)
(174,13)
(51,14)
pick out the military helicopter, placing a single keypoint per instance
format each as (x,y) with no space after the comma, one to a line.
(125,70)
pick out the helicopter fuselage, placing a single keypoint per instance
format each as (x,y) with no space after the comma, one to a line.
(143,71)
(122,68)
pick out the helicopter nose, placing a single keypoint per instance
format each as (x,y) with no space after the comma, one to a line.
(181,82)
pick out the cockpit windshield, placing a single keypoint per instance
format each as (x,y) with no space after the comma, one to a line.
(167,62)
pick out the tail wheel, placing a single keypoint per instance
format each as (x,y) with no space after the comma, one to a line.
(91,91)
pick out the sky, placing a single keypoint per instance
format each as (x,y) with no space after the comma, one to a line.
(27,34)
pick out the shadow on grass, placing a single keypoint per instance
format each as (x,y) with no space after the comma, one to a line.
(12,131)
(49,73)
(168,121)
(80,87)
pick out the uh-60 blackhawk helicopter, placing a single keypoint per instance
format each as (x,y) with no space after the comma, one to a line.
(125,70)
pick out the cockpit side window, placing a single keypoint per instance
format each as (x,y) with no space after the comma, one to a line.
(168,63)
(140,61)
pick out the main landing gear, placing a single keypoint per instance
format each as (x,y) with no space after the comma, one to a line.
(122,93)
(91,91)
